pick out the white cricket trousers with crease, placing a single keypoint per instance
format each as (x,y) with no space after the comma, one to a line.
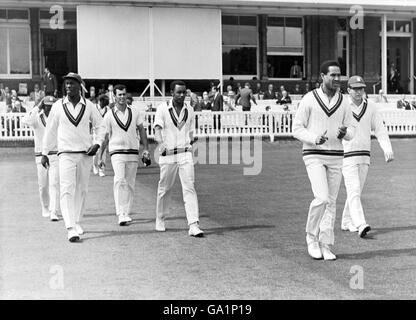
(325,176)
(124,181)
(354,178)
(168,172)
(74,169)
(48,181)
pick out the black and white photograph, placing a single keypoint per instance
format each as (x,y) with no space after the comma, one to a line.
(207,155)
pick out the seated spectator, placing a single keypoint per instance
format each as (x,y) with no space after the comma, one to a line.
(297,89)
(17,107)
(403,103)
(36,95)
(206,101)
(198,106)
(381,98)
(2,92)
(285,99)
(102,89)
(192,96)
(317,85)
(270,93)
(279,94)
(14,98)
(93,97)
(258,91)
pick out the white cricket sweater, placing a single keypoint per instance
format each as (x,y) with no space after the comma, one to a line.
(368,118)
(122,131)
(37,121)
(317,114)
(71,126)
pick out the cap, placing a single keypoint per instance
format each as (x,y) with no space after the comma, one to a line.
(49,100)
(74,76)
(356,82)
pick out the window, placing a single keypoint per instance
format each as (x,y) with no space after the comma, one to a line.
(239,45)
(399,26)
(284,47)
(15,43)
(343,46)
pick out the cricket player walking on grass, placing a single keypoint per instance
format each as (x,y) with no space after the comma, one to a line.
(322,121)
(48,178)
(357,154)
(174,126)
(122,125)
(69,122)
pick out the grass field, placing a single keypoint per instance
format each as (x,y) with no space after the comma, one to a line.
(254,246)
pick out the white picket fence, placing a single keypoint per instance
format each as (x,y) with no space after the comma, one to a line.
(227,124)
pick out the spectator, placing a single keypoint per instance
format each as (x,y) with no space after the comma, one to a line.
(279,94)
(413,103)
(270,93)
(238,88)
(17,107)
(245,96)
(231,101)
(129,99)
(393,80)
(307,88)
(110,93)
(102,89)
(36,95)
(232,84)
(285,99)
(381,98)
(206,103)
(258,91)
(317,85)
(14,98)
(198,105)
(93,97)
(218,104)
(297,89)
(296,70)
(403,103)
(50,83)
(193,97)
(2,92)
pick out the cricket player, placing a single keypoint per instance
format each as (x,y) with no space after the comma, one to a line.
(48,179)
(322,121)
(102,107)
(122,125)
(357,154)
(174,126)
(69,122)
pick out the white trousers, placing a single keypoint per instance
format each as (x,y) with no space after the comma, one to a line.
(168,172)
(74,169)
(48,181)
(325,176)
(124,181)
(354,178)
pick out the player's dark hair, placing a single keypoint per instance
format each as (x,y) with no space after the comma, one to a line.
(175,83)
(104,99)
(120,87)
(328,63)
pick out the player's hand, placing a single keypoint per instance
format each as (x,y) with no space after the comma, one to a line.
(93,150)
(389,156)
(162,147)
(146,158)
(100,164)
(321,139)
(45,162)
(342,131)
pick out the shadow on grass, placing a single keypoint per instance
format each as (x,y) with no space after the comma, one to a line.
(211,231)
(389,253)
(378,231)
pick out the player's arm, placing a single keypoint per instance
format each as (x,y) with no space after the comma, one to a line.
(300,124)
(253,98)
(382,135)
(30,118)
(159,125)
(347,130)
(99,128)
(49,138)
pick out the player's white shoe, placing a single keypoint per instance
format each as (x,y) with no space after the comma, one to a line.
(363,230)
(78,229)
(350,228)
(194,231)
(73,235)
(95,169)
(160,225)
(54,217)
(127,218)
(314,251)
(327,254)
(122,221)
(101,173)
(45,212)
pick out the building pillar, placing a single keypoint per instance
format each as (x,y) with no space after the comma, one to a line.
(262,31)
(35,36)
(384,53)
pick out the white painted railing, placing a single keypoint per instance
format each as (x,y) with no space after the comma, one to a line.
(228,124)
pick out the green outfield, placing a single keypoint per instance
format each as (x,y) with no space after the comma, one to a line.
(254,246)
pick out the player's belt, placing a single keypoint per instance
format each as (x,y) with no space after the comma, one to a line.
(357,153)
(124,151)
(69,151)
(337,153)
(169,152)
(39,154)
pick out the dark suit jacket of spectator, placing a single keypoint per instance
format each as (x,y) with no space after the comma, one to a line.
(218,104)
(50,82)
(245,96)
(269,95)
